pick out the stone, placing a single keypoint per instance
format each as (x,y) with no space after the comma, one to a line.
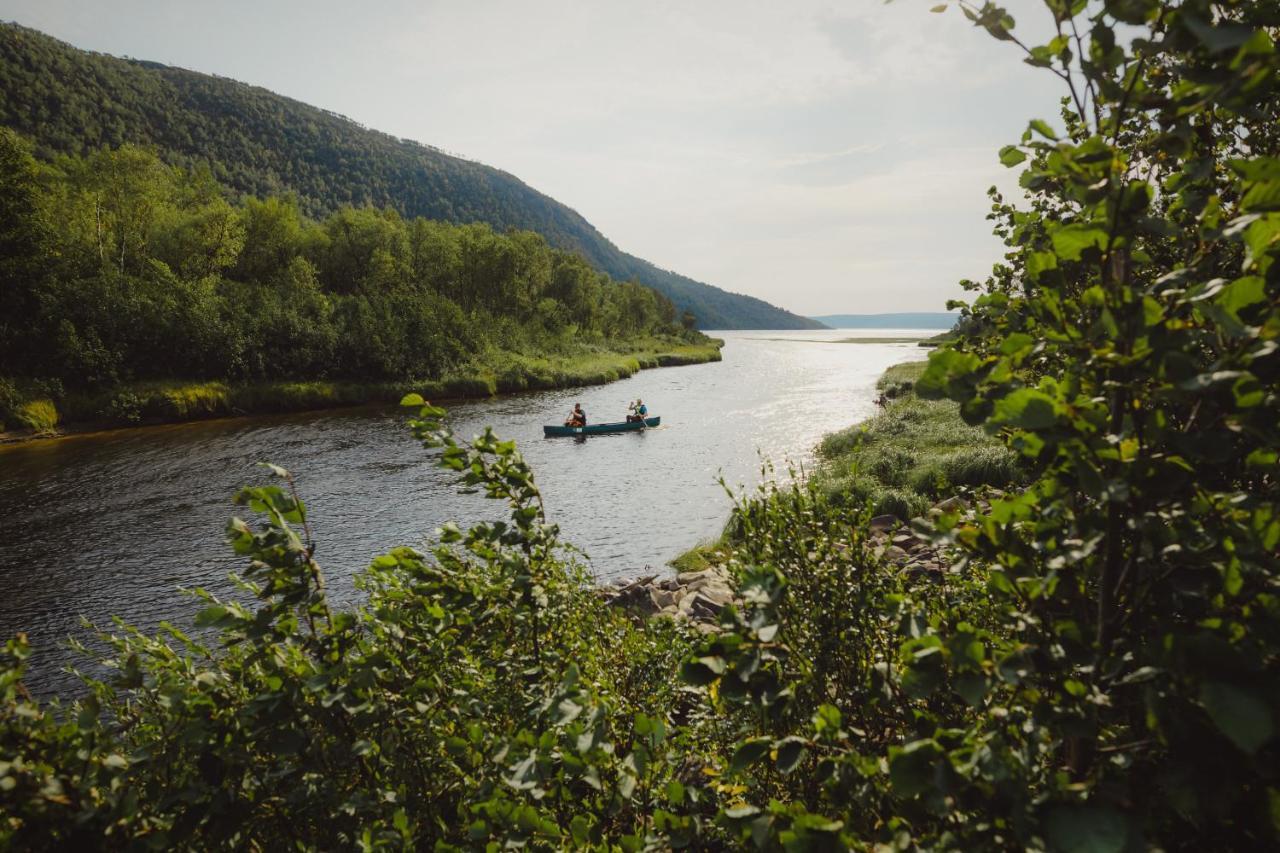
(717,594)
(894,554)
(884,522)
(703,608)
(662,599)
(686,578)
(952,504)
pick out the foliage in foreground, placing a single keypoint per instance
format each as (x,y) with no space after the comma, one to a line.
(1097,671)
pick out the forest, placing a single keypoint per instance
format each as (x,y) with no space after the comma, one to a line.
(121,272)
(258,143)
(1095,669)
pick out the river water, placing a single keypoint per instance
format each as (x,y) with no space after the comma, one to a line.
(114,523)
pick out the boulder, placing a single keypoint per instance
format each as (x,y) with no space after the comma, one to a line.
(662,598)
(952,504)
(894,554)
(884,522)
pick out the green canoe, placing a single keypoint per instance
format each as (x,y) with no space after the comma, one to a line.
(600,429)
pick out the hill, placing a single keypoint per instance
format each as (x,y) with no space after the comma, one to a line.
(259,143)
(906,320)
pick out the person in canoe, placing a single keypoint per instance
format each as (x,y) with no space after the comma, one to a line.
(577,418)
(638,411)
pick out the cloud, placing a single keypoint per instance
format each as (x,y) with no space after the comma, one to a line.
(825,156)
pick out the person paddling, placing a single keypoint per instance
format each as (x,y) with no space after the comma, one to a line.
(577,418)
(638,410)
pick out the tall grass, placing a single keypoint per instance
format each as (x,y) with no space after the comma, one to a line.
(492,372)
(911,454)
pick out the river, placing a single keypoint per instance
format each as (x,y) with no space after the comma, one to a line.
(114,523)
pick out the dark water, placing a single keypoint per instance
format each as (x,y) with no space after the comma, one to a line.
(114,523)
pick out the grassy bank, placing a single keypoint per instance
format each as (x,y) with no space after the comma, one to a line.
(907,457)
(43,412)
(910,455)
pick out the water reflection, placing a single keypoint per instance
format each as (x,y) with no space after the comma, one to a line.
(113,523)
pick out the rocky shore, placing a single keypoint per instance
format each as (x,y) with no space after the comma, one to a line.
(698,597)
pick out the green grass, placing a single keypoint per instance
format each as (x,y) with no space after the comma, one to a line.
(911,454)
(709,552)
(39,416)
(491,373)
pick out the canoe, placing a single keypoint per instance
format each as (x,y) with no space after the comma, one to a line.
(600,429)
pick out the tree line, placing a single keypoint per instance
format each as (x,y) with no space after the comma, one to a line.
(262,144)
(119,268)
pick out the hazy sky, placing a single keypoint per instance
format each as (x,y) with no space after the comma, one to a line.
(829,157)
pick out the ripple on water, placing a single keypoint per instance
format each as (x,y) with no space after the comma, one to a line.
(112,524)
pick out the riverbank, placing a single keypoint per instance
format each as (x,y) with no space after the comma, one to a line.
(153,403)
(914,455)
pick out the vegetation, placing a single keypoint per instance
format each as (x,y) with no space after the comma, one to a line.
(260,144)
(1097,669)
(912,454)
(132,290)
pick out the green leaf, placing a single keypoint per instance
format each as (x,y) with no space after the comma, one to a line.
(790,751)
(702,671)
(1262,196)
(749,752)
(1011,155)
(1260,236)
(1226,36)
(941,7)
(1087,829)
(412,400)
(1071,241)
(1240,294)
(1027,408)
(1239,714)
(1042,128)
(911,766)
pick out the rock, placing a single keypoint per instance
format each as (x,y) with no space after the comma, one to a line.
(717,594)
(628,586)
(894,554)
(906,540)
(686,578)
(662,599)
(704,608)
(707,627)
(884,522)
(952,504)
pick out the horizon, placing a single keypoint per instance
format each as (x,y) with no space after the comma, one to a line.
(808,180)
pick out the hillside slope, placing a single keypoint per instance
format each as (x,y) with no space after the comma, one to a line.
(261,143)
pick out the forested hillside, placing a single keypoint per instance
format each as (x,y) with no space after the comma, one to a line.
(259,143)
(117,270)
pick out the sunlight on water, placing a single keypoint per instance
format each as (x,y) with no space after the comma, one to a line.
(114,523)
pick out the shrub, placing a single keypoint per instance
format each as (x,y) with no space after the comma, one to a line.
(39,416)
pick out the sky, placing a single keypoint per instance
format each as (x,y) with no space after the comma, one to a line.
(828,157)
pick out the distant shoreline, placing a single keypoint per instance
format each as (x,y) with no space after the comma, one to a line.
(159,404)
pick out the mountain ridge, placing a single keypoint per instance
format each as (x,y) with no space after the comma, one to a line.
(261,143)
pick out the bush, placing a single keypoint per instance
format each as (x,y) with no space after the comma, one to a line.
(39,416)
(10,401)
(124,407)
